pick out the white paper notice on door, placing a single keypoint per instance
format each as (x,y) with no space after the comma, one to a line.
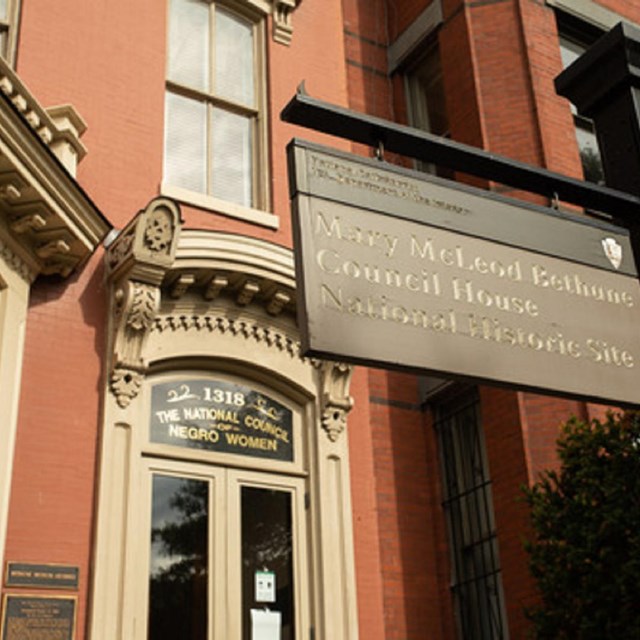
(265,625)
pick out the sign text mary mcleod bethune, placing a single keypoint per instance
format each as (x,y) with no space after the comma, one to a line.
(399,269)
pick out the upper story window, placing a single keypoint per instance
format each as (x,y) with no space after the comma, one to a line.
(214,110)
(426,107)
(425,94)
(575,38)
(9,11)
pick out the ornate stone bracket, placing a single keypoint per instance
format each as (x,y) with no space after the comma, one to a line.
(282,23)
(137,262)
(335,401)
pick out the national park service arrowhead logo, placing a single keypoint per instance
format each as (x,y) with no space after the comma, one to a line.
(613,251)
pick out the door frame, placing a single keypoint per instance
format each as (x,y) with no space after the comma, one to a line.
(224,602)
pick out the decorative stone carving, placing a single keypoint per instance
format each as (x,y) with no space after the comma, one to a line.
(137,262)
(335,401)
(278,302)
(250,330)
(32,222)
(145,248)
(158,230)
(10,191)
(282,24)
(216,285)
(49,219)
(16,263)
(52,248)
(247,292)
(125,385)
(181,285)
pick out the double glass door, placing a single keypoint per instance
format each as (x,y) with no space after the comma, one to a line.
(226,554)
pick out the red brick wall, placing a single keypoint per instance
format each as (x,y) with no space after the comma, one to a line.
(414,558)
(51,510)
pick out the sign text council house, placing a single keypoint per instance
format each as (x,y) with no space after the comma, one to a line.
(407,271)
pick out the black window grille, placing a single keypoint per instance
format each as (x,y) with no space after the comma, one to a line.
(476,574)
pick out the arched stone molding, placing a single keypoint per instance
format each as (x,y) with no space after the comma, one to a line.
(224,304)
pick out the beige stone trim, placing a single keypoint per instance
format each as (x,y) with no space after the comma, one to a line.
(137,262)
(14,296)
(13,22)
(46,212)
(66,143)
(230,209)
(226,309)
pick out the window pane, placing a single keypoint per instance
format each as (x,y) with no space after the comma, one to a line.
(234,58)
(185,143)
(231,162)
(178,574)
(189,43)
(426,97)
(267,547)
(589,153)
(3,10)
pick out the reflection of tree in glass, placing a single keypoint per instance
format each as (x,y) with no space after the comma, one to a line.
(271,545)
(179,538)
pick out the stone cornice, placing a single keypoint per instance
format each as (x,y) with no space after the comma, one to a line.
(43,208)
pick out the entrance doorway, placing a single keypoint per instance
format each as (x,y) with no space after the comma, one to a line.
(226,554)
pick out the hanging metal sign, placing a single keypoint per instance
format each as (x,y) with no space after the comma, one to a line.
(400,269)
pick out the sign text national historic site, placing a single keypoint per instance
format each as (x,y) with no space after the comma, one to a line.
(407,271)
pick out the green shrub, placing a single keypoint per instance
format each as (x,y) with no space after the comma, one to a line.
(585,553)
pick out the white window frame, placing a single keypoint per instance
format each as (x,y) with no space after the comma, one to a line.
(254,11)
(9,26)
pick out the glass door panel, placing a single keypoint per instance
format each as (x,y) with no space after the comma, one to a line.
(179,559)
(268,564)
(267,559)
(224,552)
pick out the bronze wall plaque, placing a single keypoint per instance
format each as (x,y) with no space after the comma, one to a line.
(215,415)
(38,618)
(397,269)
(46,576)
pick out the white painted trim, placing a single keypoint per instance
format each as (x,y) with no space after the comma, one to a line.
(414,35)
(13,311)
(231,209)
(590,12)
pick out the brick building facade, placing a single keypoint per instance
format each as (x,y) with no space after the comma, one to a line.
(146,264)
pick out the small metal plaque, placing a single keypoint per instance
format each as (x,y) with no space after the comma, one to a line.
(46,576)
(38,618)
(221,416)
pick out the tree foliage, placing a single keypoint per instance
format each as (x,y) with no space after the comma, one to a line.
(585,554)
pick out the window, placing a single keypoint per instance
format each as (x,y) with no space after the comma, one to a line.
(575,39)
(214,111)
(476,580)
(8,20)
(425,98)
